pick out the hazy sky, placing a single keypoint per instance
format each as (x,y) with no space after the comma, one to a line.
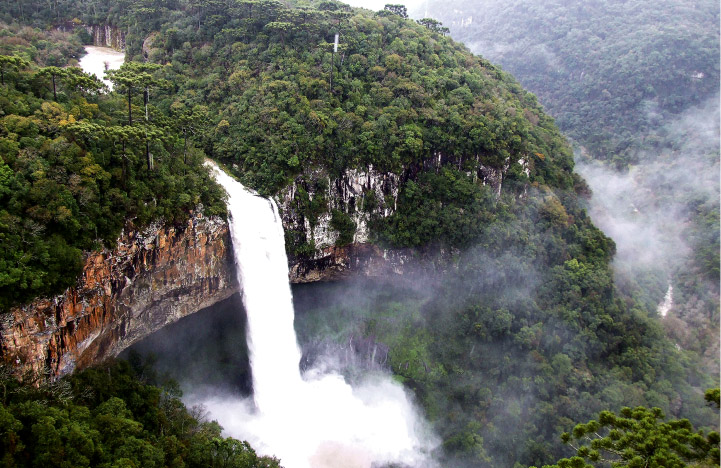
(376,5)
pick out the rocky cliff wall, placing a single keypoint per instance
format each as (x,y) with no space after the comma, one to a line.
(362,195)
(326,258)
(103,35)
(152,278)
(160,274)
(107,36)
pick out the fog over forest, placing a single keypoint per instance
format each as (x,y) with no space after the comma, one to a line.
(635,87)
(500,219)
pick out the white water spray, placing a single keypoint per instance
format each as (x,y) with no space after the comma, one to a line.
(316,420)
(262,267)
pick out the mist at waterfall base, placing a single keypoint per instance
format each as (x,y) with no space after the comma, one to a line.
(316,419)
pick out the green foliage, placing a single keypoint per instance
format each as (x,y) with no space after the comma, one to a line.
(524,331)
(397,9)
(10,63)
(71,176)
(713,395)
(73,78)
(446,208)
(344,225)
(635,85)
(267,76)
(112,416)
(33,45)
(433,25)
(404,100)
(637,438)
(516,335)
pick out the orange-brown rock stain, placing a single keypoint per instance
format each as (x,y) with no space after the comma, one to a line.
(151,278)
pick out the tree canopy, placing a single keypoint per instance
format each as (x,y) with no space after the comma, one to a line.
(525,330)
(637,438)
(71,176)
(120,414)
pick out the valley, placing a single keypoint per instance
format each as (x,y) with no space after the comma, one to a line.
(468,284)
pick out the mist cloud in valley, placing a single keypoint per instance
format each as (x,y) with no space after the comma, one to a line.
(343,330)
(651,209)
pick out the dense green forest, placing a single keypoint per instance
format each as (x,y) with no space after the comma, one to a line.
(117,415)
(608,71)
(524,332)
(639,437)
(502,363)
(71,172)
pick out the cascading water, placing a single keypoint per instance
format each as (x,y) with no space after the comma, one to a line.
(667,302)
(316,420)
(262,267)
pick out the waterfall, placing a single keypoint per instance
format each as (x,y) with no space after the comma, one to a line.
(316,420)
(262,266)
(667,303)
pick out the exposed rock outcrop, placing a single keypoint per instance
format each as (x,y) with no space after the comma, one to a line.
(359,194)
(160,274)
(153,277)
(336,263)
(362,195)
(103,35)
(107,36)
(349,193)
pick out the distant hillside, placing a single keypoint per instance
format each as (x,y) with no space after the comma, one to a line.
(608,71)
(635,84)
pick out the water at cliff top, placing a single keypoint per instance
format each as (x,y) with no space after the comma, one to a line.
(99,59)
(315,420)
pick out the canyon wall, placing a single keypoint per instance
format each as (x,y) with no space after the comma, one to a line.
(107,36)
(328,258)
(159,274)
(151,278)
(102,35)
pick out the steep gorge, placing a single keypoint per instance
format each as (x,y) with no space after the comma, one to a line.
(157,275)
(153,277)
(524,297)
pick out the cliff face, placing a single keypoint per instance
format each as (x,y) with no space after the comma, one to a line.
(103,35)
(335,263)
(106,36)
(153,277)
(361,195)
(160,274)
(328,259)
